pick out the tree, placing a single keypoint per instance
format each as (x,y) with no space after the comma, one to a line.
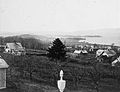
(95,75)
(57,50)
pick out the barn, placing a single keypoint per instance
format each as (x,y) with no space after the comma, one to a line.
(3,67)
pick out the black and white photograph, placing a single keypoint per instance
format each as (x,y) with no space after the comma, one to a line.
(59,45)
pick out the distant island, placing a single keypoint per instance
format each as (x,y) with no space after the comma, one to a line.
(92,36)
(79,36)
(76,38)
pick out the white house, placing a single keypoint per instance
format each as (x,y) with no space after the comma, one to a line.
(84,52)
(80,52)
(107,53)
(3,67)
(77,51)
(116,61)
(15,48)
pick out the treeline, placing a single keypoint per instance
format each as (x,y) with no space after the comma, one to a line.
(29,43)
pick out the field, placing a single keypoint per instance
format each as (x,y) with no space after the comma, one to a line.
(81,73)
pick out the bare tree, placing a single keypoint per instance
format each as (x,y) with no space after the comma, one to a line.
(95,75)
(77,74)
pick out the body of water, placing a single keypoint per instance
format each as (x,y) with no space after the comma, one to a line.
(105,40)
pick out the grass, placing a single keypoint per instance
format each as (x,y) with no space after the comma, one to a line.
(9,90)
(48,73)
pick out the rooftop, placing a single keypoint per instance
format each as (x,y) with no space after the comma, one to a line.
(3,64)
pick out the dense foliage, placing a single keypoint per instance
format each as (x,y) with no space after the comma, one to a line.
(57,50)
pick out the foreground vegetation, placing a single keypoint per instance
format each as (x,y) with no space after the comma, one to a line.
(82,72)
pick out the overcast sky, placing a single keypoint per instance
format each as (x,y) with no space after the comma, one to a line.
(58,16)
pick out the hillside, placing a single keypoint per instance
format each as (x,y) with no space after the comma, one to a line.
(28,42)
(44,39)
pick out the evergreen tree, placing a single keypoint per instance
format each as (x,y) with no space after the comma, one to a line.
(57,50)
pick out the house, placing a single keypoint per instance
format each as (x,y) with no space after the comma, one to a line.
(77,51)
(80,52)
(3,67)
(116,61)
(105,55)
(15,48)
(91,49)
(84,52)
(108,53)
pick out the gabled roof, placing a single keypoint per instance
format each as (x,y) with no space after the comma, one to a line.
(80,51)
(15,46)
(109,53)
(3,64)
(84,51)
(116,61)
(77,51)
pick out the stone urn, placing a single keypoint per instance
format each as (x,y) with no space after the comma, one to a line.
(61,83)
